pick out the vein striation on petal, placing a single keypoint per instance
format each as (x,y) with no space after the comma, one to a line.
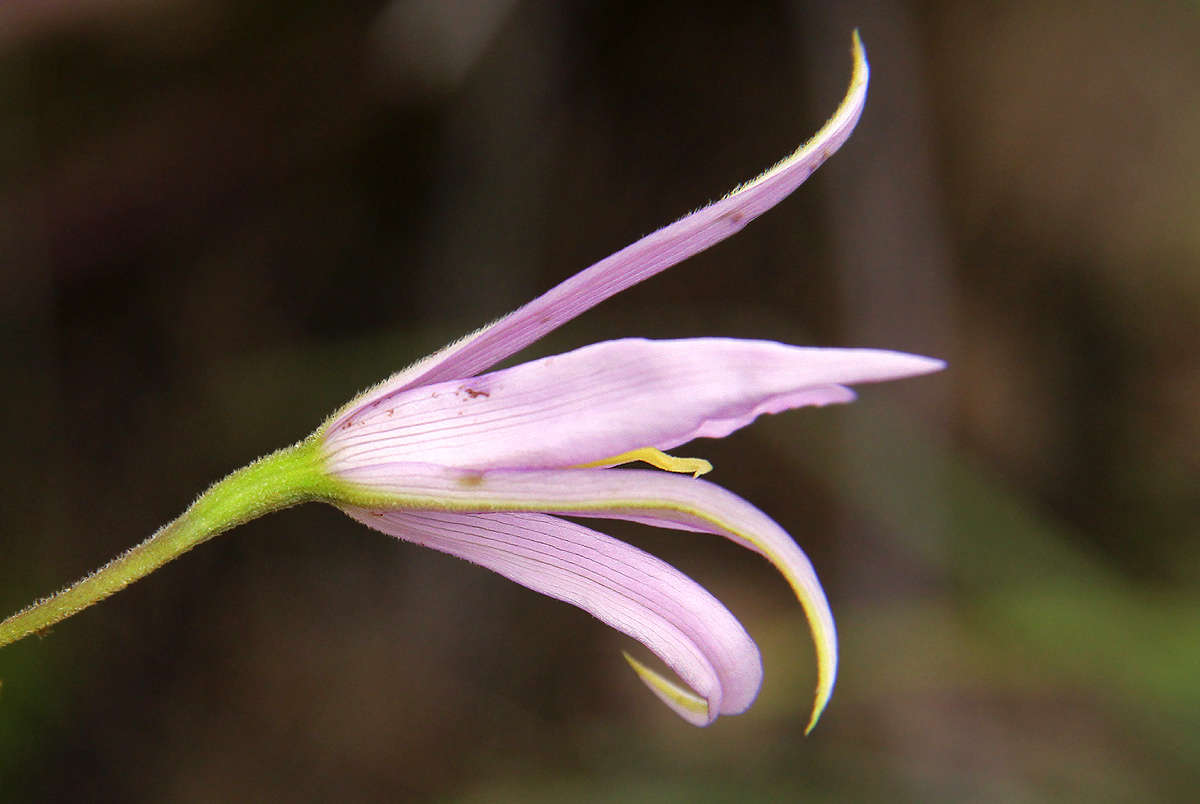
(638,495)
(630,590)
(603,400)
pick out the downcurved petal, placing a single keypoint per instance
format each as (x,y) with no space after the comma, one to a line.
(604,400)
(654,253)
(630,590)
(639,495)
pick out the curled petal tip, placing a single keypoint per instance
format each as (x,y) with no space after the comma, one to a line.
(818,708)
(856,46)
(792,170)
(683,702)
(825,641)
(859,54)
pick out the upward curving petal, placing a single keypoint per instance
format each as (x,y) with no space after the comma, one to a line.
(654,253)
(604,400)
(638,495)
(617,583)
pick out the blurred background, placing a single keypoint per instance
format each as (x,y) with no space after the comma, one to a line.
(218,220)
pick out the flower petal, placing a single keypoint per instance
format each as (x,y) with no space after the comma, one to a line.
(603,400)
(654,253)
(630,590)
(639,495)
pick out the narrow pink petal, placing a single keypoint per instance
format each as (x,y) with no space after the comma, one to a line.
(641,260)
(604,400)
(685,502)
(634,592)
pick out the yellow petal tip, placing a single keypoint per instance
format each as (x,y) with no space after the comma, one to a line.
(686,704)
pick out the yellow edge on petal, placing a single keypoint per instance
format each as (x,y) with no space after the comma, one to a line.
(688,705)
(656,458)
(848,107)
(816,609)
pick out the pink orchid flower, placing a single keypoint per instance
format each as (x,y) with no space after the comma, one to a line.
(485,466)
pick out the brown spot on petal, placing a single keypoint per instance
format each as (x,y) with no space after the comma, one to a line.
(470,481)
(471,392)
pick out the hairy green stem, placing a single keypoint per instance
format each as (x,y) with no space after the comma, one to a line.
(280,480)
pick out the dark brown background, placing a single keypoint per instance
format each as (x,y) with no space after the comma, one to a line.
(219,219)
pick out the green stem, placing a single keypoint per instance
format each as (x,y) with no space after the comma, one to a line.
(280,480)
